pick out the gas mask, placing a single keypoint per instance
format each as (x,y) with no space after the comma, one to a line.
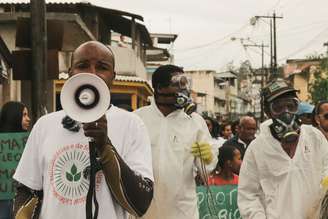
(180,83)
(182,99)
(190,107)
(285,126)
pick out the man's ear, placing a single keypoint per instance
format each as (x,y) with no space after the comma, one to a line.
(114,75)
(317,120)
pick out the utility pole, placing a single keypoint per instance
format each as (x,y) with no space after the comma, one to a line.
(275,70)
(262,71)
(227,97)
(271,53)
(273,31)
(39,58)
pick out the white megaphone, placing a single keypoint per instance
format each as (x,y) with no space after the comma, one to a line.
(85,97)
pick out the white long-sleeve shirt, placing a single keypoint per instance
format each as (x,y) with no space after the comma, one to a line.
(272,185)
(173,164)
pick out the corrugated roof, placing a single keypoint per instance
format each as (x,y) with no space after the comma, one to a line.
(47,1)
(225,75)
(116,19)
(64,75)
(164,38)
(73,2)
(130,79)
(133,79)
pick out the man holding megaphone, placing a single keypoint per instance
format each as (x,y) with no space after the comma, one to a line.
(57,159)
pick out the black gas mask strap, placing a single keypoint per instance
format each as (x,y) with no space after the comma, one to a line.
(165,95)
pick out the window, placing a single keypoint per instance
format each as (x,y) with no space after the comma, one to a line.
(232,82)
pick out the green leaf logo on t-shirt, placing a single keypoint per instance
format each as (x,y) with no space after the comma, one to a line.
(73,176)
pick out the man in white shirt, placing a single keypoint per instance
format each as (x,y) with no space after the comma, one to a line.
(246,134)
(179,144)
(321,117)
(283,167)
(56,157)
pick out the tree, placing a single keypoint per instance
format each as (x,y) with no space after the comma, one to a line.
(319,88)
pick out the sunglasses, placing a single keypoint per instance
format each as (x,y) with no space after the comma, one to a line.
(325,116)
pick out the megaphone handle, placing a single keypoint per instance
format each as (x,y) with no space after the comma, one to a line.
(92,188)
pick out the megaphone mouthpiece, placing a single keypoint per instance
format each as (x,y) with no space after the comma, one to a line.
(87,96)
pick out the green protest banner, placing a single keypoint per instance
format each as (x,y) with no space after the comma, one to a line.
(218,202)
(11,149)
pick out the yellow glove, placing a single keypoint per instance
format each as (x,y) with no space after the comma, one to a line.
(203,151)
(324,182)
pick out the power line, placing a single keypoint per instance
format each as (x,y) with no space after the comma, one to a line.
(257,52)
(291,30)
(249,57)
(294,5)
(274,6)
(309,43)
(207,51)
(213,42)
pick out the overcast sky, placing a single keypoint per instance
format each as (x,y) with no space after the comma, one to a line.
(205,28)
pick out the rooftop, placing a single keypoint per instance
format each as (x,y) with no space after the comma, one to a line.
(227,74)
(117,20)
(164,38)
(72,2)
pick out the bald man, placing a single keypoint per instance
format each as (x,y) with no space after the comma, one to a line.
(246,134)
(56,160)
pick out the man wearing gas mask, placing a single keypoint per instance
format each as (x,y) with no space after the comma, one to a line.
(283,167)
(179,145)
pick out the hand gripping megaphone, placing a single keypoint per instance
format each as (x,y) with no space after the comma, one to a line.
(85,97)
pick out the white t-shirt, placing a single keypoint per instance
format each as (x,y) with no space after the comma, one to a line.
(171,139)
(55,159)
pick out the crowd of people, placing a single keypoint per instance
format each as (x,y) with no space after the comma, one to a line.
(151,161)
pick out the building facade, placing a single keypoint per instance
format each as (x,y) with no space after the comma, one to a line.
(300,72)
(72,24)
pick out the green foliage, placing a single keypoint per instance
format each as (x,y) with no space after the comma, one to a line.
(324,64)
(319,88)
(315,56)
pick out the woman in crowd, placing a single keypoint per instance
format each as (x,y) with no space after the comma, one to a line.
(227,168)
(226,131)
(216,142)
(213,126)
(13,118)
